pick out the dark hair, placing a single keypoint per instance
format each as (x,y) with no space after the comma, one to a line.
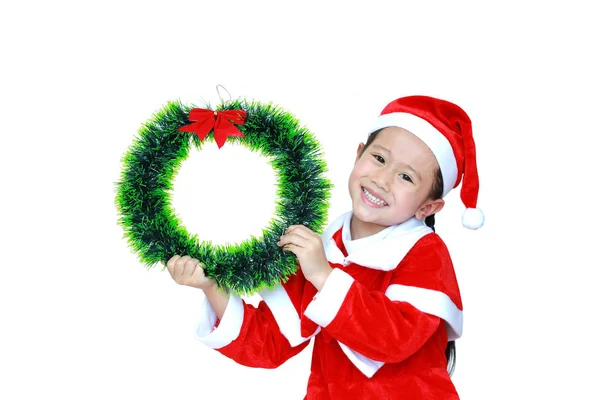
(437,189)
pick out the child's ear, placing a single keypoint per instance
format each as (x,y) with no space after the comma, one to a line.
(358,152)
(429,207)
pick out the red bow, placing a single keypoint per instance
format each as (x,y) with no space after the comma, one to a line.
(222,122)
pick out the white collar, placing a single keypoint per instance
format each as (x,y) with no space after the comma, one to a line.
(383,250)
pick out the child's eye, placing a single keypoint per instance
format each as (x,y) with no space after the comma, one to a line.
(406,177)
(379,158)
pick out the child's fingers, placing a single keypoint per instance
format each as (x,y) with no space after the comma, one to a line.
(171,265)
(292,239)
(300,230)
(198,274)
(189,267)
(180,266)
(291,247)
(188,271)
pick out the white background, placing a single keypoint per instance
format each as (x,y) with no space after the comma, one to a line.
(81,318)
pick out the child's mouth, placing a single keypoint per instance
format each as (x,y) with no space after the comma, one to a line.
(372,199)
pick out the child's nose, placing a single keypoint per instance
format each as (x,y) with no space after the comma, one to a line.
(382,179)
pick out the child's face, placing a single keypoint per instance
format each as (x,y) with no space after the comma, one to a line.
(398,170)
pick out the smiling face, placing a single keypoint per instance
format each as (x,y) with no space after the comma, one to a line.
(391,182)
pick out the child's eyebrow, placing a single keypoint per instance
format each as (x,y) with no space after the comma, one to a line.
(381,148)
(406,165)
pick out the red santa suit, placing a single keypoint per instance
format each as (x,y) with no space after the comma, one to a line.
(381,322)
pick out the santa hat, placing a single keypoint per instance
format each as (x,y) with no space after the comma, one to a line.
(446,129)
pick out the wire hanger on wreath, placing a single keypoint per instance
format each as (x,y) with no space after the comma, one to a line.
(219,93)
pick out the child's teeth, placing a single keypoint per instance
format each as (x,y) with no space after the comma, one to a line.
(373,198)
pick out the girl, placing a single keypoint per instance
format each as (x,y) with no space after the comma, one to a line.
(377,289)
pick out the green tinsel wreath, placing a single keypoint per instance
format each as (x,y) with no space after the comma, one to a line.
(155,233)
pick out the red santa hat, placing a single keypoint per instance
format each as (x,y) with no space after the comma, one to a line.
(446,129)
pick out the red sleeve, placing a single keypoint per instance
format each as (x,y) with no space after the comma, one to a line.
(390,326)
(251,335)
(260,342)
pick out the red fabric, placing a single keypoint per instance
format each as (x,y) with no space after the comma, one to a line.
(260,344)
(410,342)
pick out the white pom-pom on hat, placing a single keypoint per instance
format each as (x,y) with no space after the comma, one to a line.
(473,218)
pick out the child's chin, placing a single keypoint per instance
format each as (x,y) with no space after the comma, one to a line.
(365,214)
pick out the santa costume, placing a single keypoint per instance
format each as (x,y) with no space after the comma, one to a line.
(382,321)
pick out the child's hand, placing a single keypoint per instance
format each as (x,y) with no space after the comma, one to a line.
(188,271)
(308,247)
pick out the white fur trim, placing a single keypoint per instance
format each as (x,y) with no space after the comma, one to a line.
(229,326)
(285,314)
(326,304)
(430,302)
(365,365)
(384,253)
(473,218)
(387,254)
(434,139)
(333,228)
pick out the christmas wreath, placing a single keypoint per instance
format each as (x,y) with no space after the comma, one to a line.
(143,200)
